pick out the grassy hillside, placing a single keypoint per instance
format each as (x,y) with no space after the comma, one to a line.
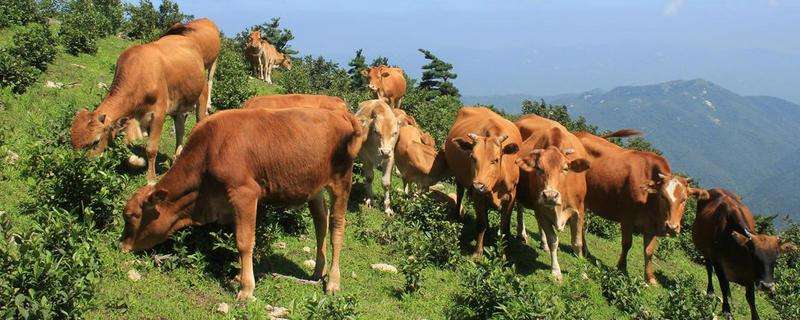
(178,283)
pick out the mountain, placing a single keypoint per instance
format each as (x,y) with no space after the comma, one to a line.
(744,143)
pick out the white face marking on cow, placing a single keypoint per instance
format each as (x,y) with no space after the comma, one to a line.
(672,184)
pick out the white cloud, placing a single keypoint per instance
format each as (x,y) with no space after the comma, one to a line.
(672,7)
(772,3)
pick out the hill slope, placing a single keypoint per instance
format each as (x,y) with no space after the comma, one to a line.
(707,131)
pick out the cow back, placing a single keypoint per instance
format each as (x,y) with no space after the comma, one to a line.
(283,101)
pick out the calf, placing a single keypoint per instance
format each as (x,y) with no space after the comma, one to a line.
(275,59)
(407,120)
(152,80)
(254,52)
(237,158)
(280,101)
(552,182)
(481,151)
(381,130)
(636,189)
(724,233)
(205,35)
(418,163)
(388,83)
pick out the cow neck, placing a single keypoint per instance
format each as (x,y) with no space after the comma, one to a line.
(116,105)
(182,181)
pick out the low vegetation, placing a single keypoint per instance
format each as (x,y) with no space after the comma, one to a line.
(61,212)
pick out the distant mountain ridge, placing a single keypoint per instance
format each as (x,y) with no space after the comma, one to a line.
(744,143)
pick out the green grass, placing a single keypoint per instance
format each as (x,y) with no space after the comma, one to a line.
(186,293)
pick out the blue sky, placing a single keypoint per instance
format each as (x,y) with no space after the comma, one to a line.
(549,47)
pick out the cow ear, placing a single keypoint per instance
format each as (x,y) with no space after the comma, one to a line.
(384,74)
(700,194)
(102,118)
(511,148)
(739,238)
(579,165)
(524,163)
(157,196)
(464,144)
(121,123)
(788,247)
(648,186)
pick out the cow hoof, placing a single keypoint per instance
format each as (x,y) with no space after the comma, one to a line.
(727,315)
(651,282)
(368,203)
(545,247)
(523,239)
(557,277)
(136,161)
(245,295)
(389,212)
(332,288)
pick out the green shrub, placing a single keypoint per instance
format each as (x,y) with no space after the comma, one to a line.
(111,15)
(35,45)
(16,73)
(231,87)
(786,299)
(142,20)
(20,12)
(686,301)
(601,227)
(622,291)
(435,116)
(331,308)
(412,269)
(424,231)
(50,269)
(82,27)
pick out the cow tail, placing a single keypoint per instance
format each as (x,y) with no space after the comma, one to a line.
(623,133)
(356,138)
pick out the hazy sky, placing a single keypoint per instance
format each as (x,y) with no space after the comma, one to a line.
(549,47)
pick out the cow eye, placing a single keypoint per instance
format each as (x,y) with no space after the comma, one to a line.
(494,161)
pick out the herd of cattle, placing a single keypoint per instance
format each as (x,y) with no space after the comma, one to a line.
(288,149)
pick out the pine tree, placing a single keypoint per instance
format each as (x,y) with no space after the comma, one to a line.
(436,76)
(356,65)
(380,61)
(277,36)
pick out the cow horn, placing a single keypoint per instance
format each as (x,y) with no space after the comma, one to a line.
(689,180)
(473,136)
(502,138)
(663,176)
(537,151)
(569,151)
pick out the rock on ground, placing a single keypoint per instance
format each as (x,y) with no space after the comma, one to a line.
(384,267)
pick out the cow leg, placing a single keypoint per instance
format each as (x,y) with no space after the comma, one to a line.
(521,233)
(750,294)
(650,245)
(709,271)
(543,239)
(627,241)
(481,215)
(369,172)
(320,215)
(203,103)
(399,102)
(179,120)
(269,72)
(459,209)
(724,286)
(156,126)
(505,217)
(133,133)
(386,181)
(245,200)
(576,231)
(211,73)
(339,193)
(552,243)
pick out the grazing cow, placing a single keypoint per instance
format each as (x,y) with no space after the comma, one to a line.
(388,83)
(552,182)
(724,233)
(481,151)
(152,80)
(381,130)
(282,101)
(235,159)
(418,162)
(205,35)
(636,189)
(275,59)
(407,120)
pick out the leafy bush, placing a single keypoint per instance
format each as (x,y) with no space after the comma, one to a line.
(83,25)
(412,269)
(331,308)
(601,227)
(623,292)
(142,20)
(15,73)
(435,116)
(50,269)
(111,15)
(231,87)
(425,232)
(786,299)
(20,12)
(35,45)
(685,301)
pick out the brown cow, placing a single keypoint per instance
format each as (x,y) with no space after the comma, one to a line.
(152,80)
(281,101)
(224,172)
(636,189)
(275,59)
(418,163)
(724,233)
(552,182)
(205,35)
(481,151)
(264,56)
(381,129)
(407,120)
(389,83)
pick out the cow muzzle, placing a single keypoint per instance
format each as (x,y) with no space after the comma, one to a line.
(385,152)
(550,198)
(480,187)
(372,87)
(672,229)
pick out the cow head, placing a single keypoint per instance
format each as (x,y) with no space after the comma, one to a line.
(486,154)
(376,75)
(255,39)
(94,131)
(382,126)
(671,193)
(287,62)
(761,253)
(148,219)
(549,169)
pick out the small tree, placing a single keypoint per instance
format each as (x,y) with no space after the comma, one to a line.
(169,13)
(436,76)
(142,19)
(83,25)
(356,65)
(380,61)
(277,36)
